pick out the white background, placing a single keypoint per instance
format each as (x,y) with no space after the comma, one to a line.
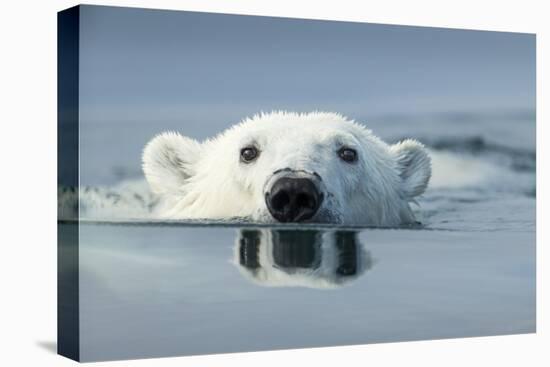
(28,181)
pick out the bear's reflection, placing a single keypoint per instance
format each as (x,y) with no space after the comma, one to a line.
(290,258)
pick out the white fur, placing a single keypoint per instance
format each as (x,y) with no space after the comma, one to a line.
(208,179)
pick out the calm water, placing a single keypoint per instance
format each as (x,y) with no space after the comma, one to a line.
(163,290)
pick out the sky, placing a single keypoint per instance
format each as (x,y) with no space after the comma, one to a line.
(139,65)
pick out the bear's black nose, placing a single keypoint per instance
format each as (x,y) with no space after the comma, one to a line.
(293,199)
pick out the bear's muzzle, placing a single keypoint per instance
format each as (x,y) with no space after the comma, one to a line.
(294,196)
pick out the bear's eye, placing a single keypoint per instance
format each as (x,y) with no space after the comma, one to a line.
(348,155)
(248,154)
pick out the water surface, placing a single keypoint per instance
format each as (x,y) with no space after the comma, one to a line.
(157,290)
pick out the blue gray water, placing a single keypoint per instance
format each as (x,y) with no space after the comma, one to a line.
(152,291)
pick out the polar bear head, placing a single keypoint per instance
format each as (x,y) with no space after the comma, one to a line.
(288,167)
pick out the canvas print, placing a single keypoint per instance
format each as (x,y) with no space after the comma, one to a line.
(232,183)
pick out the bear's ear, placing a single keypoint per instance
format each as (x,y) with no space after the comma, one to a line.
(414,165)
(168,161)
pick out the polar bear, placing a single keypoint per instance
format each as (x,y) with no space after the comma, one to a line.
(316,167)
